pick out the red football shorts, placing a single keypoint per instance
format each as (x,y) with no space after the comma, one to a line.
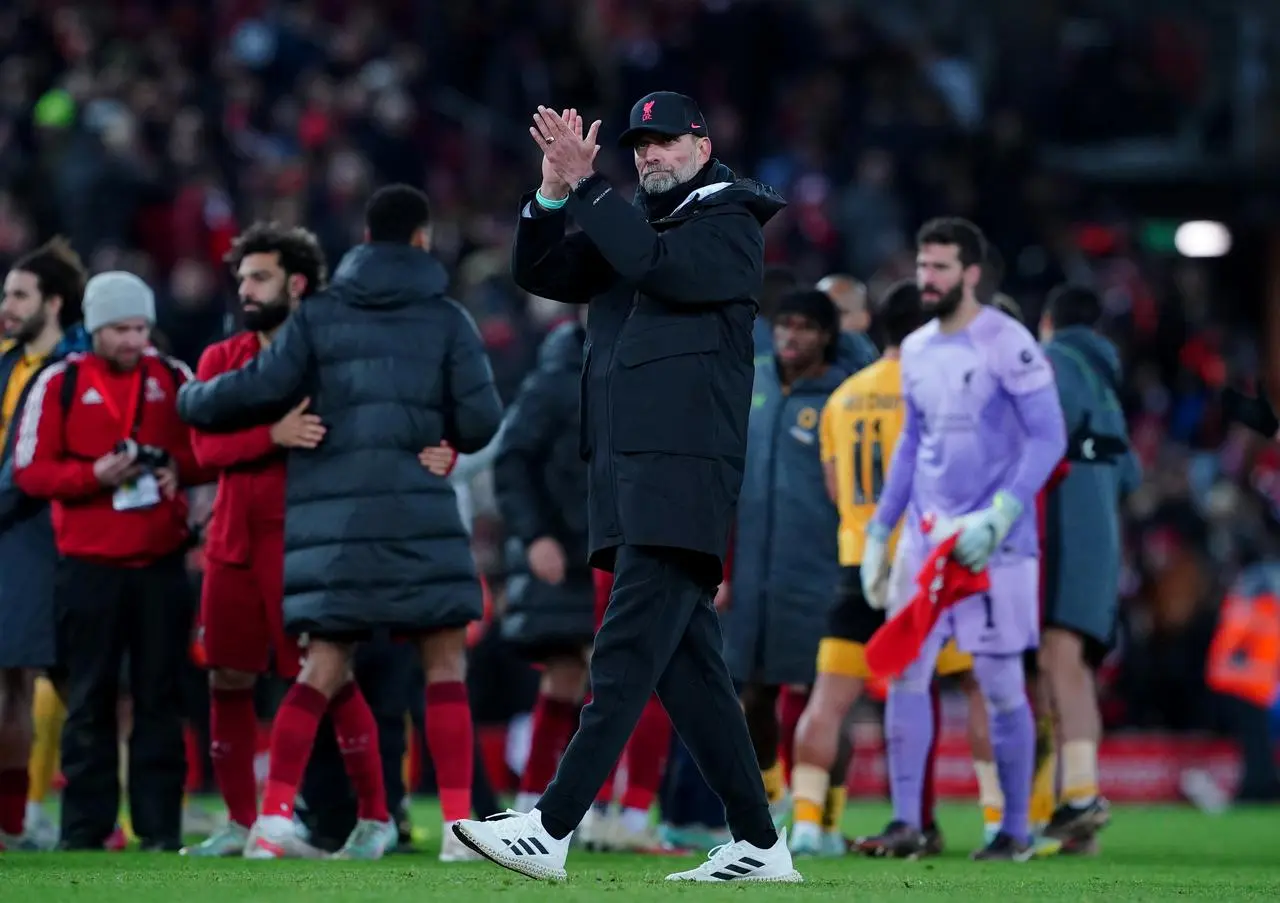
(242,612)
(604,585)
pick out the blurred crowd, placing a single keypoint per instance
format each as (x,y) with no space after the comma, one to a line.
(150,131)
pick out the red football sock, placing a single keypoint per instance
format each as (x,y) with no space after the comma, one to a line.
(357,733)
(233,737)
(292,736)
(554,722)
(929,794)
(647,756)
(14,784)
(791,703)
(451,740)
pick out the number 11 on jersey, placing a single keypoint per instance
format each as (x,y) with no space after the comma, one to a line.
(868,461)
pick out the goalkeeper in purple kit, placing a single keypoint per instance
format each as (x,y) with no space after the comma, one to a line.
(983,431)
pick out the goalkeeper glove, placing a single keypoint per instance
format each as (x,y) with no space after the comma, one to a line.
(984,530)
(875,566)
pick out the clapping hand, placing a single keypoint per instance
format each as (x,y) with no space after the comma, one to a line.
(568,156)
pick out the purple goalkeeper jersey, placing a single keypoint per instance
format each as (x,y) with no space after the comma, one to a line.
(982,416)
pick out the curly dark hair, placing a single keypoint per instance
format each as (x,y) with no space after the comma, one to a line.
(299,251)
(952,230)
(58,271)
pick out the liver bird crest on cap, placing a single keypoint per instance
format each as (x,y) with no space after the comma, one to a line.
(648,111)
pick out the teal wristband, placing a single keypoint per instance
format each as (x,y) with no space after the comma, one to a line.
(547,203)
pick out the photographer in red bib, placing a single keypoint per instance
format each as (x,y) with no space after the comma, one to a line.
(99,436)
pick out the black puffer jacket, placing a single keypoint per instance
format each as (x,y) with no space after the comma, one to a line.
(392,366)
(541,486)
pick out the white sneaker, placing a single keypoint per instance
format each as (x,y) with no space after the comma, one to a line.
(594,830)
(806,839)
(517,841)
(369,840)
(834,844)
(624,840)
(41,826)
(274,837)
(740,861)
(452,849)
(200,821)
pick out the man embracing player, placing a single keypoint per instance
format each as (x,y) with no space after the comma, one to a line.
(242,631)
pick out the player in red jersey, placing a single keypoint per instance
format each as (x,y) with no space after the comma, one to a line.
(242,631)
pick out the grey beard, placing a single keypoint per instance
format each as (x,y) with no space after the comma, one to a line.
(662,182)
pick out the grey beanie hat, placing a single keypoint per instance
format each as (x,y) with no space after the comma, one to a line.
(115,296)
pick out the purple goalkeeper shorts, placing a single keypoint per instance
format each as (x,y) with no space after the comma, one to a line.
(1002,621)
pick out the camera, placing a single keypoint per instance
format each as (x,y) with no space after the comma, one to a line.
(148,456)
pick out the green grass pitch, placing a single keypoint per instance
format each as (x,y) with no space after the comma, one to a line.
(1147,854)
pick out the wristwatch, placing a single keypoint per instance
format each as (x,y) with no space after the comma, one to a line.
(583,181)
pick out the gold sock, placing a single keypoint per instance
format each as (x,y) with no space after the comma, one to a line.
(1043,798)
(809,787)
(773,784)
(1079,772)
(49,714)
(833,811)
(990,797)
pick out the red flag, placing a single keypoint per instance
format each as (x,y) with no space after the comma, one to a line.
(942,583)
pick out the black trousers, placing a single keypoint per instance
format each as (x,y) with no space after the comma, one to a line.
(1251,726)
(661,632)
(103,612)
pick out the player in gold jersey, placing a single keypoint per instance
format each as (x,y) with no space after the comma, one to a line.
(859,428)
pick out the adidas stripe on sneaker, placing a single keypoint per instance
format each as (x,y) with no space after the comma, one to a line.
(516,841)
(529,846)
(741,861)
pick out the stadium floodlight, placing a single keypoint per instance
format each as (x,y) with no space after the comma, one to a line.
(1202,238)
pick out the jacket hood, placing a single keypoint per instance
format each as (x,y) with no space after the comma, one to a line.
(716,184)
(380,274)
(854,351)
(562,348)
(1097,349)
(76,338)
(829,380)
